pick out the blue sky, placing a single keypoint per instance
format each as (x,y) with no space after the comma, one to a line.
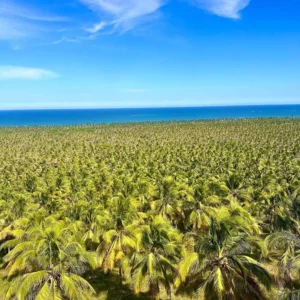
(148,53)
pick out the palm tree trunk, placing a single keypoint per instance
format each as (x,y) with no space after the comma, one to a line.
(120,274)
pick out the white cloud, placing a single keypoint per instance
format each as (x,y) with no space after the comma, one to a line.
(18,21)
(15,72)
(122,15)
(223,8)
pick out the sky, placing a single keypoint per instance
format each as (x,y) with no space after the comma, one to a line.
(148,53)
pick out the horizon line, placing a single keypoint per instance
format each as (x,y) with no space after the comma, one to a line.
(143,107)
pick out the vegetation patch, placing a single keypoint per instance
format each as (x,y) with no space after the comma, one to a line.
(178,210)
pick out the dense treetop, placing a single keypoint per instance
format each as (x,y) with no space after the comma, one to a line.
(205,209)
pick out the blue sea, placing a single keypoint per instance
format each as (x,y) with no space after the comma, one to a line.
(95,116)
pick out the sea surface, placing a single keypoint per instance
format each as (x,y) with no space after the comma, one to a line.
(94,116)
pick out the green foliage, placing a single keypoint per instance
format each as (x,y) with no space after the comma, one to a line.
(183,210)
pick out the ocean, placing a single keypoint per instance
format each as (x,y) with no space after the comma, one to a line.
(95,116)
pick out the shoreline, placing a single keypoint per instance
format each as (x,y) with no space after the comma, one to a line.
(74,117)
(163,122)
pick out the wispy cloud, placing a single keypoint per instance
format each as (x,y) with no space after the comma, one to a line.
(97,27)
(16,72)
(122,15)
(67,40)
(10,8)
(11,29)
(18,21)
(134,91)
(223,8)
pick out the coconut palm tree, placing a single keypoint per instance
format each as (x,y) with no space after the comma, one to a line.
(236,187)
(166,203)
(199,210)
(284,248)
(48,263)
(118,237)
(223,263)
(153,264)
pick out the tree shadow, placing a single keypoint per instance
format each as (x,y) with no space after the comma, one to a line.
(109,286)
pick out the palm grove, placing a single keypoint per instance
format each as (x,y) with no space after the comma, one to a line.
(180,210)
